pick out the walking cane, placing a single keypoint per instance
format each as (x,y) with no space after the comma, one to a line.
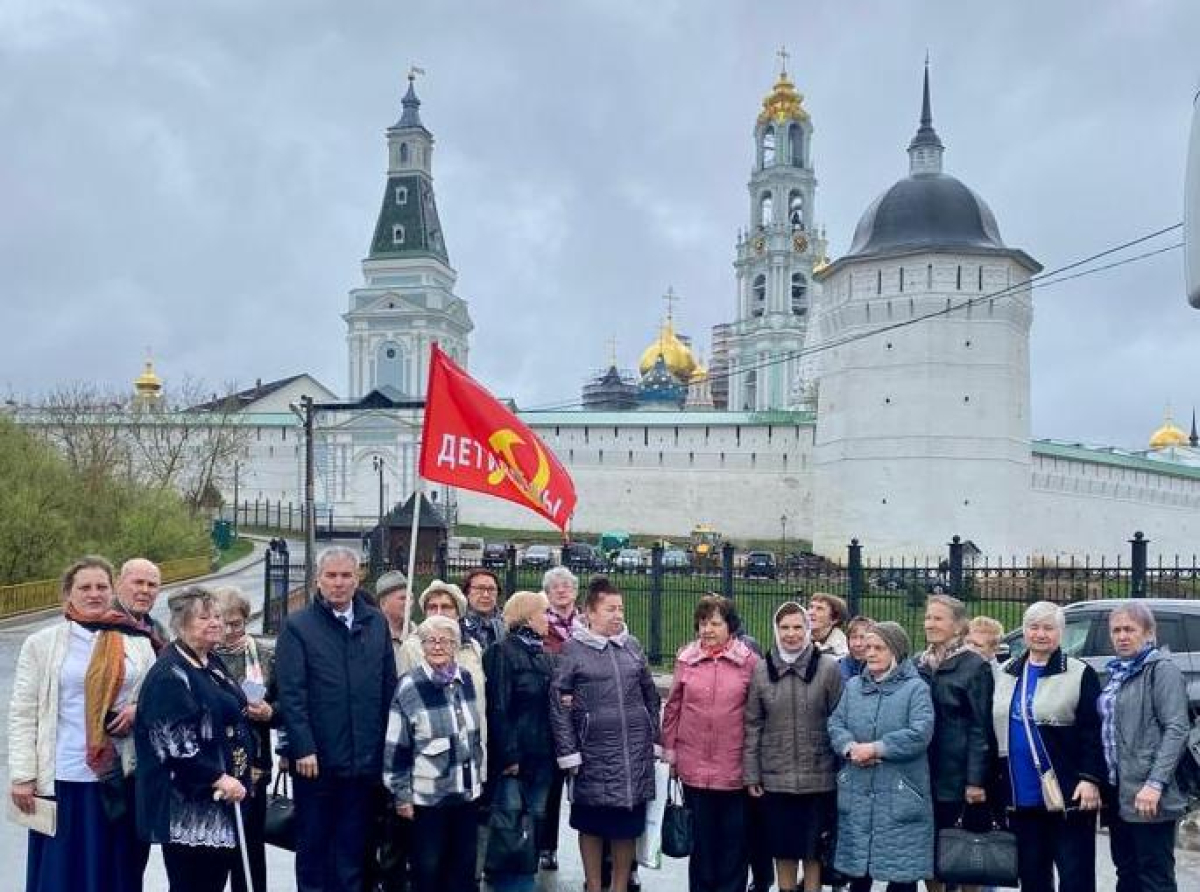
(241,838)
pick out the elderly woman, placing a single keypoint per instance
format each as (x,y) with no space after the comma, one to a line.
(787,761)
(73,702)
(446,599)
(826,613)
(482,620)
(434,760)
(882,728)
(604,713)
(250,661)
(960,683)
(1144,727)
(518,683)
(195,750)
(1051,758)
(856,639)
(703,733)
(983,637)
(561,588)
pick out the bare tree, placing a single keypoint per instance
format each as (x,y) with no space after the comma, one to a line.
(183,441)
(84,422)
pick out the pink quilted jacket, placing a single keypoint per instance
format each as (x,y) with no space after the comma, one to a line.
(703,727)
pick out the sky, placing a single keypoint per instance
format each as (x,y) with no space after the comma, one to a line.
(204,182)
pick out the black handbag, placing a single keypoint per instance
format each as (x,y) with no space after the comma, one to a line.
(279,829)
(511,843)
(977,858)
(676,823)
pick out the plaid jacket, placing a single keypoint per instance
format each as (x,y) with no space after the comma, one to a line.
(433,749)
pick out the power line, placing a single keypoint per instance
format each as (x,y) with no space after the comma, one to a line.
(1042,280)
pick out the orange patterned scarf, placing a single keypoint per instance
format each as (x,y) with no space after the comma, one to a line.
(102,683)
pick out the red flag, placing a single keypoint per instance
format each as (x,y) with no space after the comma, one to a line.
(471,441)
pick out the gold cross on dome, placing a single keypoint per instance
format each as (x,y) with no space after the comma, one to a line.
(783,55)
(671,299)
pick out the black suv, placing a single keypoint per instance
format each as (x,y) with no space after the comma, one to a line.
(760,565)
(579,557)
(1086,635)
(495,554)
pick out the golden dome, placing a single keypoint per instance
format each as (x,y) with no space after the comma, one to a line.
(148,382)
(699,375)
(783,103)
(1168,435)
(675,353)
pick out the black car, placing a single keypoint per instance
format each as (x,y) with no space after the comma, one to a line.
(579,557)
(495,554)
(760,565)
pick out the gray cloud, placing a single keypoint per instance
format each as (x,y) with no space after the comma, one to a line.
(206,182)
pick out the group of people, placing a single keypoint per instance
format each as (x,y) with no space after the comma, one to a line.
(841,756)
(427,755)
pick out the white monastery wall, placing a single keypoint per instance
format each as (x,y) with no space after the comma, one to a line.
(1085,508)
(665,479)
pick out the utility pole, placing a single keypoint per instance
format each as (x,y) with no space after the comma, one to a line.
(310,505)
(236,469)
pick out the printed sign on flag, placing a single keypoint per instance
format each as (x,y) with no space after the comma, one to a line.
(470,440)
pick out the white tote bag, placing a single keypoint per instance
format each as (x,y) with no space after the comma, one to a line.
(649,844)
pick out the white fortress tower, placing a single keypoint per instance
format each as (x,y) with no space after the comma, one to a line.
(924,415)
(775,257)
(407,300)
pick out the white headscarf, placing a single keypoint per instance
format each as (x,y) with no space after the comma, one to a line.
(791,656)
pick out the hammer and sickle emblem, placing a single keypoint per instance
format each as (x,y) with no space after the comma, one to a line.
(503,441)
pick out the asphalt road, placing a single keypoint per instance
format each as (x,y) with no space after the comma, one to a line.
(672,876)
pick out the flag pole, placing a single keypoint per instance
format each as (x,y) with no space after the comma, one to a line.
(418,497)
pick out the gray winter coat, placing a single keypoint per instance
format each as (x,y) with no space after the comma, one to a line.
(787,709)
(1151,730)
(604,713)
(885,811)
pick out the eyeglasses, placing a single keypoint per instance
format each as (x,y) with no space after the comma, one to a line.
(444,643)
(483,588)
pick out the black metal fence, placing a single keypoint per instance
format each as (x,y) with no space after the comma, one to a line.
(659,600)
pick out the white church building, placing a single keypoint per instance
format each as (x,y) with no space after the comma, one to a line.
(913,428)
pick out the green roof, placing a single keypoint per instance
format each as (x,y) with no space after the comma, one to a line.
(1113,457)
(418,215)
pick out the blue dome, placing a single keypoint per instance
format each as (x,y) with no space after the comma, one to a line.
(931,211)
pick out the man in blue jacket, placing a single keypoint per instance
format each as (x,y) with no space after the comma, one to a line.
(336,676)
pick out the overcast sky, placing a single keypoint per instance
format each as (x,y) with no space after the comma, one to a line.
(204,180)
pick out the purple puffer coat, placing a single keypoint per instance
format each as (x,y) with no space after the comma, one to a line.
(604,712)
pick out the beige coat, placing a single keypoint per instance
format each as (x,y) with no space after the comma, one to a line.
(33,709)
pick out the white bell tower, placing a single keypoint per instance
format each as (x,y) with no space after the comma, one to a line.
(775,256)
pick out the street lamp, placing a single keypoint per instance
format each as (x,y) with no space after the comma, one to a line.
(377,463)
(783,538)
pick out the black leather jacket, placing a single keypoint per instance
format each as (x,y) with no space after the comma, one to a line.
(963,750)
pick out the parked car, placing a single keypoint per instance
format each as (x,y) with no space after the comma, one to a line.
(1087,637)
(495,554)
(895,579)
(629,560)
(579,557)
(676,560)
(760,565)
(807,562)
(539,557)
